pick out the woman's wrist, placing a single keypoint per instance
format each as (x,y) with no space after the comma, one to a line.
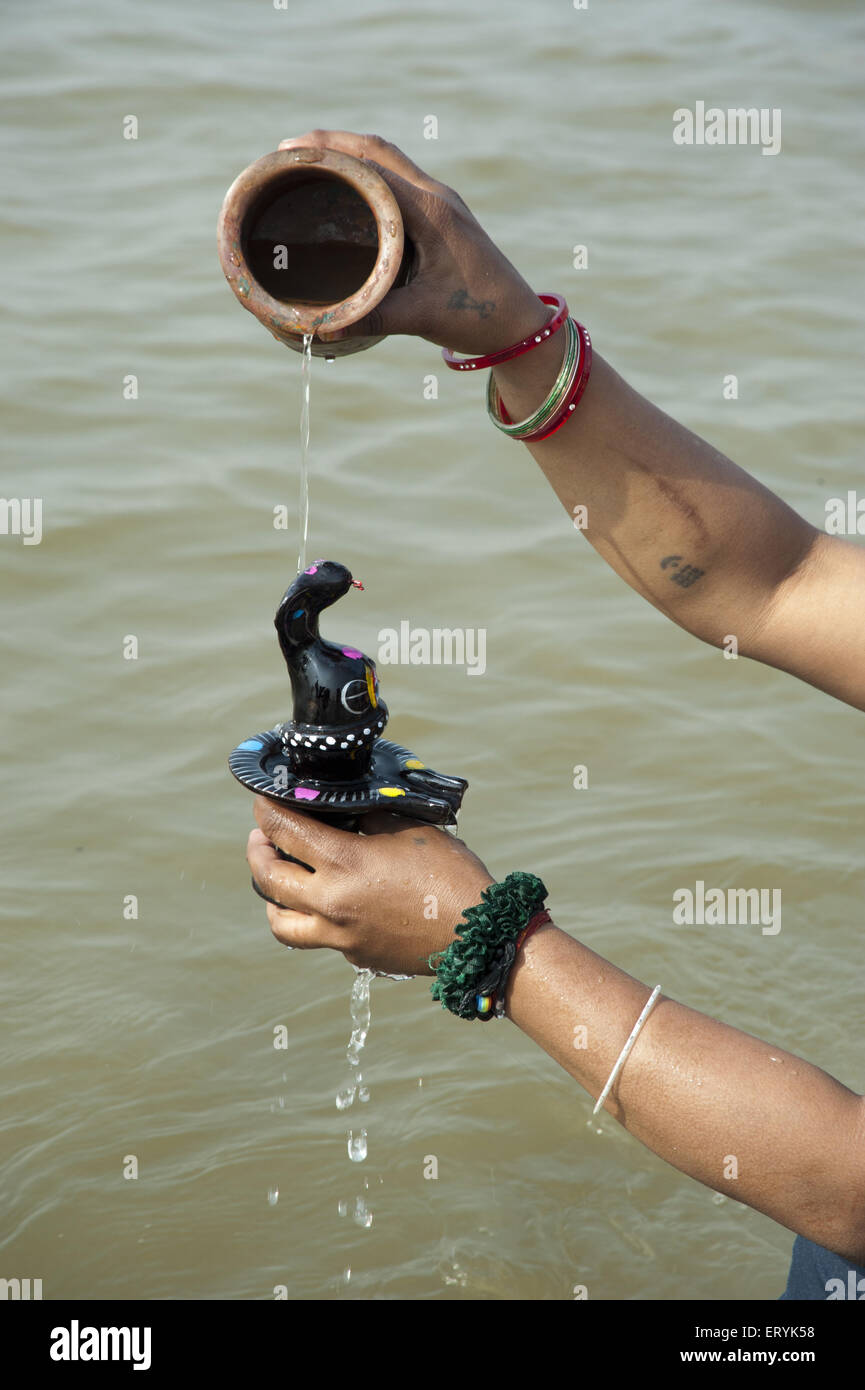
(510,313)
(526,314)
(529,959)
(472,973)
(525,382)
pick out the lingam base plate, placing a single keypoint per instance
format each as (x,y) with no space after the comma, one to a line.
(397,781)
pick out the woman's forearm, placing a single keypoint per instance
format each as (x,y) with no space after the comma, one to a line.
(709,1099)
(683,525)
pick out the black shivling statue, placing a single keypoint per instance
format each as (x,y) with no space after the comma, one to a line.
(330,759)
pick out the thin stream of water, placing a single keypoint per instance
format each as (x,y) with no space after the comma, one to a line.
(303,500)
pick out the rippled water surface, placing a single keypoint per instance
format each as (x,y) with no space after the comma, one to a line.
(153,1037)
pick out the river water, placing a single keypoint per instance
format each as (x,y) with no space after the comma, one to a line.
(146,1042)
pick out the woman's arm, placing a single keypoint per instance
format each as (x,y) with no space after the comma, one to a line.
(693,533)
(709,1099)
(695,1091)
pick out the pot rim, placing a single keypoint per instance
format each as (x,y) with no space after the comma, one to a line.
(275,314)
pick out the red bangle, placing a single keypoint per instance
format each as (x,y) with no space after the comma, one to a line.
(492,359)
(571,401)
(539,920)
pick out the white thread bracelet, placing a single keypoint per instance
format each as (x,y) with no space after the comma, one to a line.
(625,1052)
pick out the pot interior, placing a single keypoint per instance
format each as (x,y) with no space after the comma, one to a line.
(310,238)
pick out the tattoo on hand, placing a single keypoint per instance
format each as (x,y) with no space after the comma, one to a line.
(684,575)
(461,299)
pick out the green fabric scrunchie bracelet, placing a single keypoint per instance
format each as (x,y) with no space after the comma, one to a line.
(471,974)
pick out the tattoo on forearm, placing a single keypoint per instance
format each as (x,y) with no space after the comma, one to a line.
(683,575)
(461,299)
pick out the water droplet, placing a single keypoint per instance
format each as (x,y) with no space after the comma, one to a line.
(273,1196)
(357,1147)
(362,1213)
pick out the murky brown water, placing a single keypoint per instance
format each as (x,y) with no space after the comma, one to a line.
(153,1037)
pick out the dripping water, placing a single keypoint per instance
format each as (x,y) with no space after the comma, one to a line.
(303,501)
(355,1088)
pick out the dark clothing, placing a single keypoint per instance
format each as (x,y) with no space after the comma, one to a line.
(816,1273)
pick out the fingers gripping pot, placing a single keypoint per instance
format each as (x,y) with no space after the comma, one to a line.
(330,759)
(311,240)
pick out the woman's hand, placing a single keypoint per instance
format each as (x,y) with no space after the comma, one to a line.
(465,294)
(387,899)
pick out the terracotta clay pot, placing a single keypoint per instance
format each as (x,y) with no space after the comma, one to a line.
(311,239)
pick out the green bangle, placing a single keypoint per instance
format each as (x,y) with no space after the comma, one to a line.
(472,972)
(546,411)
